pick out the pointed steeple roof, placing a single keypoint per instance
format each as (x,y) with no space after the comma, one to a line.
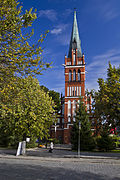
(75,39)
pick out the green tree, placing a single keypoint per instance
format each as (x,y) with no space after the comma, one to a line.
(105,142)
(17,55)
(45,88)
(86,139)
(22,102)
(55,97)
(26,110)
(106,102)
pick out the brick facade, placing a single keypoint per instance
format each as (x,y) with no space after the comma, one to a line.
(74,87)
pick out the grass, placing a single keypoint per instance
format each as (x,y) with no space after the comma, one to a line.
(98,151)
(115,151)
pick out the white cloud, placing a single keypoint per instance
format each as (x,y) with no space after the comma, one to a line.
(50,14)
(56,31)
(98,67)
(62,32)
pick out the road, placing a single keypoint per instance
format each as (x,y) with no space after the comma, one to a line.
(49,168)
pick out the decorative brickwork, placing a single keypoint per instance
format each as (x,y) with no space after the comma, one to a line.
(74,86)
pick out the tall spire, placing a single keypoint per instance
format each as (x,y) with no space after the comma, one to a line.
(75,39)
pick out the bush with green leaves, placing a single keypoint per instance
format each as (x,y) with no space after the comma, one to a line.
(105,142)
(116,140)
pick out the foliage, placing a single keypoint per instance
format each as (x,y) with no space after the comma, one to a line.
(56,141)
(45,88)
(105,142)
(106,102)
(86,139)
(26,110)
(32,143)
(55,97)
(17,55)
(116,140)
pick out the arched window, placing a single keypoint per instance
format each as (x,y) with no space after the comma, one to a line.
(74,75)
(68,93)
(75,91)
(74,59)
(79,75)
(69,119)
(70,75)
(69,111)
(74,110)
(69,108)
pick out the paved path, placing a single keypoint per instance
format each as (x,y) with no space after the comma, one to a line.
(39,164)
(58,153)
(41,168)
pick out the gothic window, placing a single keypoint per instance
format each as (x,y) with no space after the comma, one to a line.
(74,75)
(70,75)
(75,92)
(79,90)
(67,91)
(74,59)
(69,111)
(69,119)
(69,108)
(79,74)
(72,91)
(74,109)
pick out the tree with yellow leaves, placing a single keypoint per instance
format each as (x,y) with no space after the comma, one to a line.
(17,55)
(26,111)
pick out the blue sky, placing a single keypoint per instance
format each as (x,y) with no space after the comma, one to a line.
(99,29)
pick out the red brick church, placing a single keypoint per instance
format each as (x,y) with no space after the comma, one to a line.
(74,87)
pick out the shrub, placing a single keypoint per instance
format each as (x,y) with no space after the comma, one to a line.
(105,142)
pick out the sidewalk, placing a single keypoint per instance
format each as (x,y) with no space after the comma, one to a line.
(58,153)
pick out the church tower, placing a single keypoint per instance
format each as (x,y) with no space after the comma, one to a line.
(74,79)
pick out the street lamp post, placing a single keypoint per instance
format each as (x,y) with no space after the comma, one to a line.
(55,130)
(79,140)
